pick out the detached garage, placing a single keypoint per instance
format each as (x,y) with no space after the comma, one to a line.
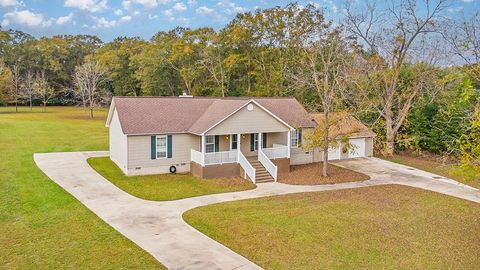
(360,138)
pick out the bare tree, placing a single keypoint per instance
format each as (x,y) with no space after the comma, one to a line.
(213,61)
(324,60)
(87,77)
(16,82)
(28,90)
(464,38)
(43,89)
(394,37)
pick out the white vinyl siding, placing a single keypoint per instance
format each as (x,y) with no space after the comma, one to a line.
(245,122)
(117,143)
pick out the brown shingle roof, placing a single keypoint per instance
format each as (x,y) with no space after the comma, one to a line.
(157,115)
(344,125)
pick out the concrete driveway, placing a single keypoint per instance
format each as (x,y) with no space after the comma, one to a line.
(158,227)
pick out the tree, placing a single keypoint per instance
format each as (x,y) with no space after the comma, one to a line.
(43,89)
(464,38)
(213,59)
(28,90)
(323,62)
(16,82)
(87,78)
(392,38)
(117,59)
(5,83)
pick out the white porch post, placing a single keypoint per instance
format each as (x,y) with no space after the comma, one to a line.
(259,141)
(289,142)
(239,138)
(203,150)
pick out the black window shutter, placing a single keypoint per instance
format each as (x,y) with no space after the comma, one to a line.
(169,146)
(252,142)
(264,140)
(299,132)
(153,147)
(217,140)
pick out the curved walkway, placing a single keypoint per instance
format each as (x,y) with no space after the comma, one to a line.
(158,227)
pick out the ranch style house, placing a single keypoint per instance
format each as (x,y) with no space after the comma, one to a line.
(255,138)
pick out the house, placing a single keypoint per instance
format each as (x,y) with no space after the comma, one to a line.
(256,138)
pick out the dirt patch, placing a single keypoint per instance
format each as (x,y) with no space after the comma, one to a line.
(311,174)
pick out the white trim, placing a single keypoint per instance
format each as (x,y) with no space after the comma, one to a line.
(166,146)
(239,148)
(289,143)
(110,114)
(250,101)
(259,141)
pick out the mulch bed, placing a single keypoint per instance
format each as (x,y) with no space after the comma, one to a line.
(311,174)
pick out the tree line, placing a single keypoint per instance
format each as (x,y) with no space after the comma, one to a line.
(404,68)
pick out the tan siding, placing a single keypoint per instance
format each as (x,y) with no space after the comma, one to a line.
(245,121)
(299,155)
(245,146)
(139,154)
(117,143)
(276,138)
(224,143)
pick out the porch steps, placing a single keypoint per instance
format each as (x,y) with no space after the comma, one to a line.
(261,174)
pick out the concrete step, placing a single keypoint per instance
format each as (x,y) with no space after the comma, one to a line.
(264,180)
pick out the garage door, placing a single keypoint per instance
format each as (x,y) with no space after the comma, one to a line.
(333,153)
(358,148)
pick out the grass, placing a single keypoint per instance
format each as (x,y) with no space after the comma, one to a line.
(167,186)
(468,175)
(382,227)
(41,225)
(311,174)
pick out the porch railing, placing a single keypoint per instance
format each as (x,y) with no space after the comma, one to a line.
(277,151)
(197,157)
(247,167)
(271,168)
(213,158)
(221,157)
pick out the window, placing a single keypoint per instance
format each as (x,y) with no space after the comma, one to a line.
(255,141)
(162,146)
(210,144)
(234,142)
(296,138)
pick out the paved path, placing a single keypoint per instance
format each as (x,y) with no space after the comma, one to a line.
(159,229)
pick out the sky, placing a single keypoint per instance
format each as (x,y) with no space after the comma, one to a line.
(143,18)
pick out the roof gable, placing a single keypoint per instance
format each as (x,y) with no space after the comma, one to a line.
(247,119)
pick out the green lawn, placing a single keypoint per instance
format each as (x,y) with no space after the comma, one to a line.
(167,186)
(383,227)
(468,175)
(41,225)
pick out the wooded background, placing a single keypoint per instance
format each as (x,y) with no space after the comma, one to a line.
(406,70)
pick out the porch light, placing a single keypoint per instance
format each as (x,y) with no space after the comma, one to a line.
(227,137)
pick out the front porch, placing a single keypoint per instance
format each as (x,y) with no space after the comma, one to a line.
(258,157)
